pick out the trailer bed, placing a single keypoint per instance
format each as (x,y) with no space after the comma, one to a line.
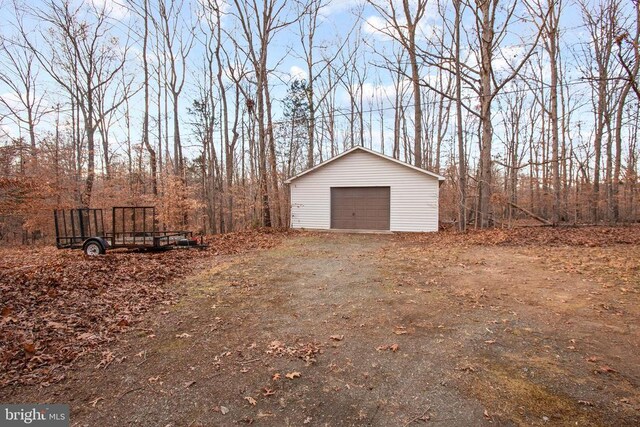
(131,227)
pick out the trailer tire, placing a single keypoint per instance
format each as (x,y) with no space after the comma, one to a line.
(93,247)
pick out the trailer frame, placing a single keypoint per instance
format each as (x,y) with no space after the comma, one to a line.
(132,227)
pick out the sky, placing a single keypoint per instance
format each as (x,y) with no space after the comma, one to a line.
(337,19)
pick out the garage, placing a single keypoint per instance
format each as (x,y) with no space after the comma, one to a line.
(362,189)
(360,208)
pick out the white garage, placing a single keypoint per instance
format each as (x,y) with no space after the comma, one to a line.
(361,189)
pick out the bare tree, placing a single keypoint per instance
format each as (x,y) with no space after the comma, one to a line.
(20,74)
(83,57)
(230,141)
(629,52)
(462,163)
(546,14)
(601,22)
(259,23)
(178,38)
(490,39)
(403,26)
(630,61)
(316,69)
(145,14)
(484,80)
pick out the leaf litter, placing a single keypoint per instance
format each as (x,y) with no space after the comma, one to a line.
(58,305)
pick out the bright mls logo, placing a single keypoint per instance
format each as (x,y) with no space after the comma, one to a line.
(34,415)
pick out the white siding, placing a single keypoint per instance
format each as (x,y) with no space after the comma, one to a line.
(414,195)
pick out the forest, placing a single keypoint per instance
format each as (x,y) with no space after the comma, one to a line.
(204,108)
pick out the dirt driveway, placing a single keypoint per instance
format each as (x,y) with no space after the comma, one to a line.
(335,329)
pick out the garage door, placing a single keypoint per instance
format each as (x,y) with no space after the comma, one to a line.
(360,208)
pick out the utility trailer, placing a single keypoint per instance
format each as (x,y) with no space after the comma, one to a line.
(132,227)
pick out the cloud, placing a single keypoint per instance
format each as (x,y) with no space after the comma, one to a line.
(376,93)
(12,99)
(5,130)
(111,8)
(373,92)
(339,6)
(508,57)
(297,73)
(377,26)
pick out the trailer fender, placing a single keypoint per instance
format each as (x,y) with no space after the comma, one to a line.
(95,246)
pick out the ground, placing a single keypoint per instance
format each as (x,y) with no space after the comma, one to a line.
(353,329)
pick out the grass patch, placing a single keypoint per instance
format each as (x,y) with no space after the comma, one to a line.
(510,395)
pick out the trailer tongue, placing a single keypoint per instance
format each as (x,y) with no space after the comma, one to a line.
(133,227)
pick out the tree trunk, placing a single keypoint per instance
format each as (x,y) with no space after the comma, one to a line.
(462,166)
(145,118)
(552,49)
(486,49)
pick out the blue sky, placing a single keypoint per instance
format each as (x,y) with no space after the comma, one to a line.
(337,19)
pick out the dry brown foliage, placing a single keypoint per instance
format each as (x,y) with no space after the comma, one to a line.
(56,305)
(590,236)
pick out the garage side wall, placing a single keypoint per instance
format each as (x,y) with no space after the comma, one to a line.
(414,195)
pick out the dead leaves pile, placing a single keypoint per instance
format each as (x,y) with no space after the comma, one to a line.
(243,241)
(305,351)
(57,305)
(589,236)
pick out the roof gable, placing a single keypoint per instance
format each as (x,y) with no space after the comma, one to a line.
(366,150)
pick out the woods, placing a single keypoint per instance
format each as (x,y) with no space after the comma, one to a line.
(205,108)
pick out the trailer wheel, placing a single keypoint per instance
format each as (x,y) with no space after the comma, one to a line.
(93,248)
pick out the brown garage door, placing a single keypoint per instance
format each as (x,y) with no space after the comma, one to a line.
(360,208)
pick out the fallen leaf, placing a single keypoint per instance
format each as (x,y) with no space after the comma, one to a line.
(337,337)
(486,414)
(29,347)
(251,400)
(265,414)
(607,369)
(224,410)
(292,375)
(189,384)
(400,330)
(56,325)
(585,403)
(267,392)
(183,335)
(393,347)
(276,376)
(107,358)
